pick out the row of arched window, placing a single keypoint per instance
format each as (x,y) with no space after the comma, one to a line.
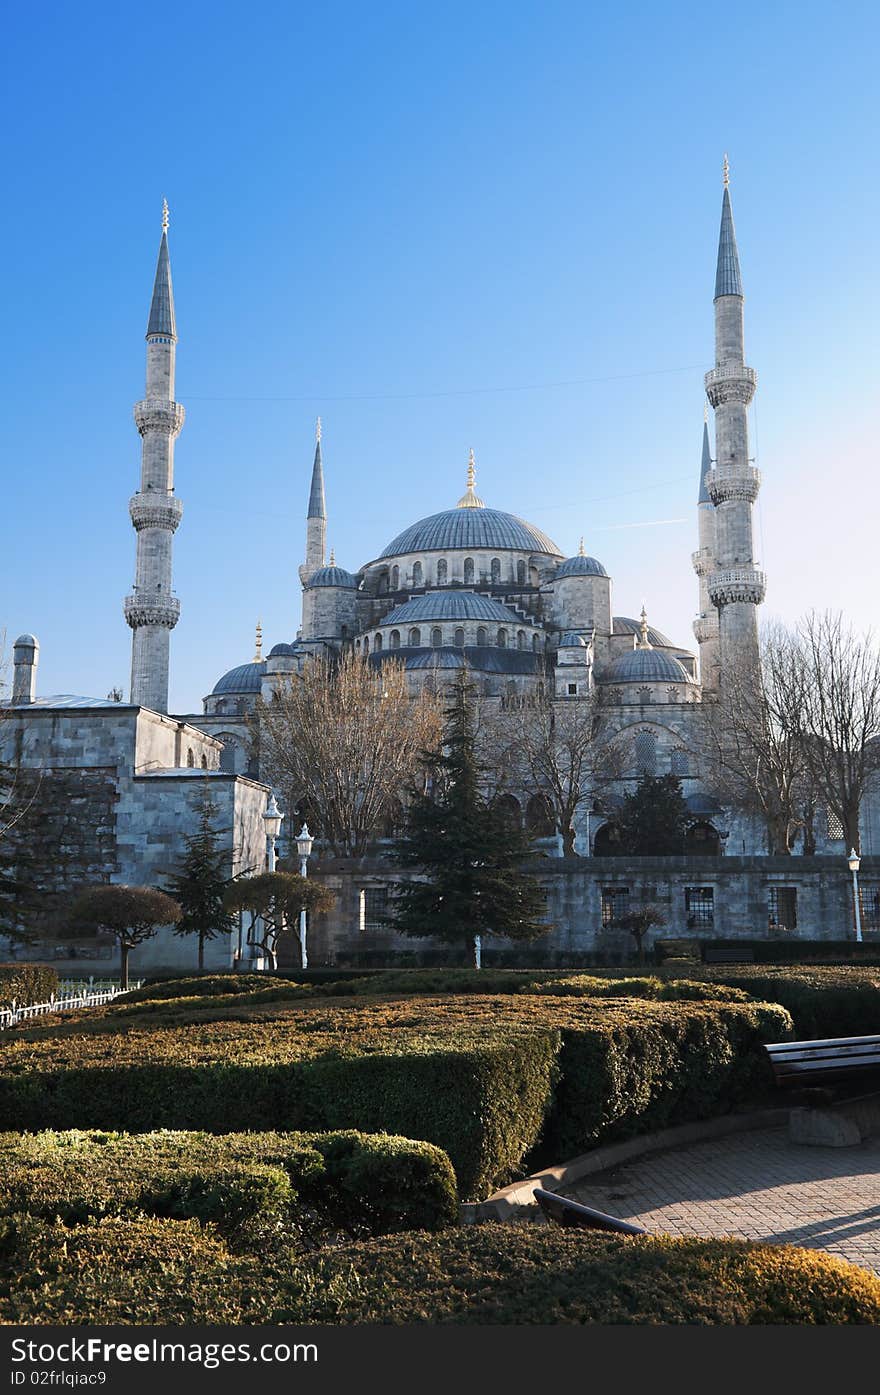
(646,756)
(503,639)
(441,573)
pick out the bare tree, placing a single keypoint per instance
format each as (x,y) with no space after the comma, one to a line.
(753,755)
(343,740)
(563,749)
(837,709)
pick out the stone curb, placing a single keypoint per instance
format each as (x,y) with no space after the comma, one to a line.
(516,1202)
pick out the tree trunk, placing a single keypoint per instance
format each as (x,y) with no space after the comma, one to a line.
(850,823)
(568,837)
(123,950)
(477,951)
(201,951)
(778,831)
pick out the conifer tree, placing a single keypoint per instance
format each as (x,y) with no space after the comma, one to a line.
(654,818)
(200,882)
(468,849)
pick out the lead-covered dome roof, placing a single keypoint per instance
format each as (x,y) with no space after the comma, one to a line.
(471,529)
(580,566)
(646,666)
(625,625)
(332,576)
(451,605)
(246,678)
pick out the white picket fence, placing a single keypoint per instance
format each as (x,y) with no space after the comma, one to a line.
(73,993)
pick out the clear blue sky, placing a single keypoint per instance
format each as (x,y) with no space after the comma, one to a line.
(438,226)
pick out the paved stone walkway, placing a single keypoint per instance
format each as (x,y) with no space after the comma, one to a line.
(755,1186)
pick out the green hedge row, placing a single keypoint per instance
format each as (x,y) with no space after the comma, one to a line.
(369,1184)
(176,1272)
(24,984)
(477,1076)
(824,1000)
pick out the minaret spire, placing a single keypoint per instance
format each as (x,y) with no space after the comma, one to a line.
(735,584)
(152,610)
(316,518)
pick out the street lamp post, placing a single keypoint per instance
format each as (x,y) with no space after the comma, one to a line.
(854,862)
(304,848)
(272,825)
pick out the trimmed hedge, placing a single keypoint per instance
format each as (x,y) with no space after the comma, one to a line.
(824,1000)
(202,986)
(175,1272)
(477,1076)
(24,984)
(367,1183)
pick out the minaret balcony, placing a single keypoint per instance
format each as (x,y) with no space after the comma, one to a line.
(156,608)
(155,510)
(737,584)
(732,382)
(703,561)
(159,414)
(740,486)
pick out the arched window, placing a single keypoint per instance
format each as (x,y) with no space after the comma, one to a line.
(395,578)
(502,639)
(344,632)
(608,842)
(644,695)
(441,572)
(539,817)
(394,639)
(366,644)
(232,756)
(508,807)
(357,646)
(496,571)
(482,636)
(436,637)
(417,573)
(520,639)
(190,759)
(646,753)
(415,638)
(521,573)
(204,762)
(701,840)
(678,764)
(377,644)
(383,583)
(468,571)
(459,639)
(535,644)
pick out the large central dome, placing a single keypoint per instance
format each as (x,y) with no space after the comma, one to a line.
(471,529)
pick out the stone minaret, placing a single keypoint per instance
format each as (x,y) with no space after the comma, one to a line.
(152,610)
(735,585)
(316,521)
(706,623)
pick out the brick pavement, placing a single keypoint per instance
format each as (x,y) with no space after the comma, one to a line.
(754,1186)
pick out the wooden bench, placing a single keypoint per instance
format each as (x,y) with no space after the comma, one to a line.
(718,955)
(564,1212)
(830,1062)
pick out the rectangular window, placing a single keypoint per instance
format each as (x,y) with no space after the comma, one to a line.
(699,904)
(869,900)
(374,905)
(572,689)
(615,903)
(783,907)
(834,827)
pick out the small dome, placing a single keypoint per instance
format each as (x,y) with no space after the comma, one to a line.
(646,666)
(279,651)
(570,640)
(625,625)
(580,566)
(246,678)
(26,642)
(332,576)
(451,605)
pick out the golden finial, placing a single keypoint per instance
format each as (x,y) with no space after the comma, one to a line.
(164,215)
(333,556)
(469,499)
(318,431)
(258,656)
(581,552)
(726,171)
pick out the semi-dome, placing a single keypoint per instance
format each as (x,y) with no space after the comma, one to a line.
(332,576)
(646,666)
(451,605)
(625,625)
(471,530)
(580,566)
(246,678)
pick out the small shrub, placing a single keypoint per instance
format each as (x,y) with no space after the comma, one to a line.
(25,984)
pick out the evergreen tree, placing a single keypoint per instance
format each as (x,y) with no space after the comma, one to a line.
(468,849)
(200,882)
(654,818)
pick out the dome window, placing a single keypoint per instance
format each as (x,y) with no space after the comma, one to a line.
(502,639)
(535,644)
(415,638)
(377,644)
(395,578)
(366,644)
(496,571)
(394,639)
(482,636)
(521,639)
(521,573)
(441,572)
(459,639)
(417,573)
(436,637)
(468,571)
